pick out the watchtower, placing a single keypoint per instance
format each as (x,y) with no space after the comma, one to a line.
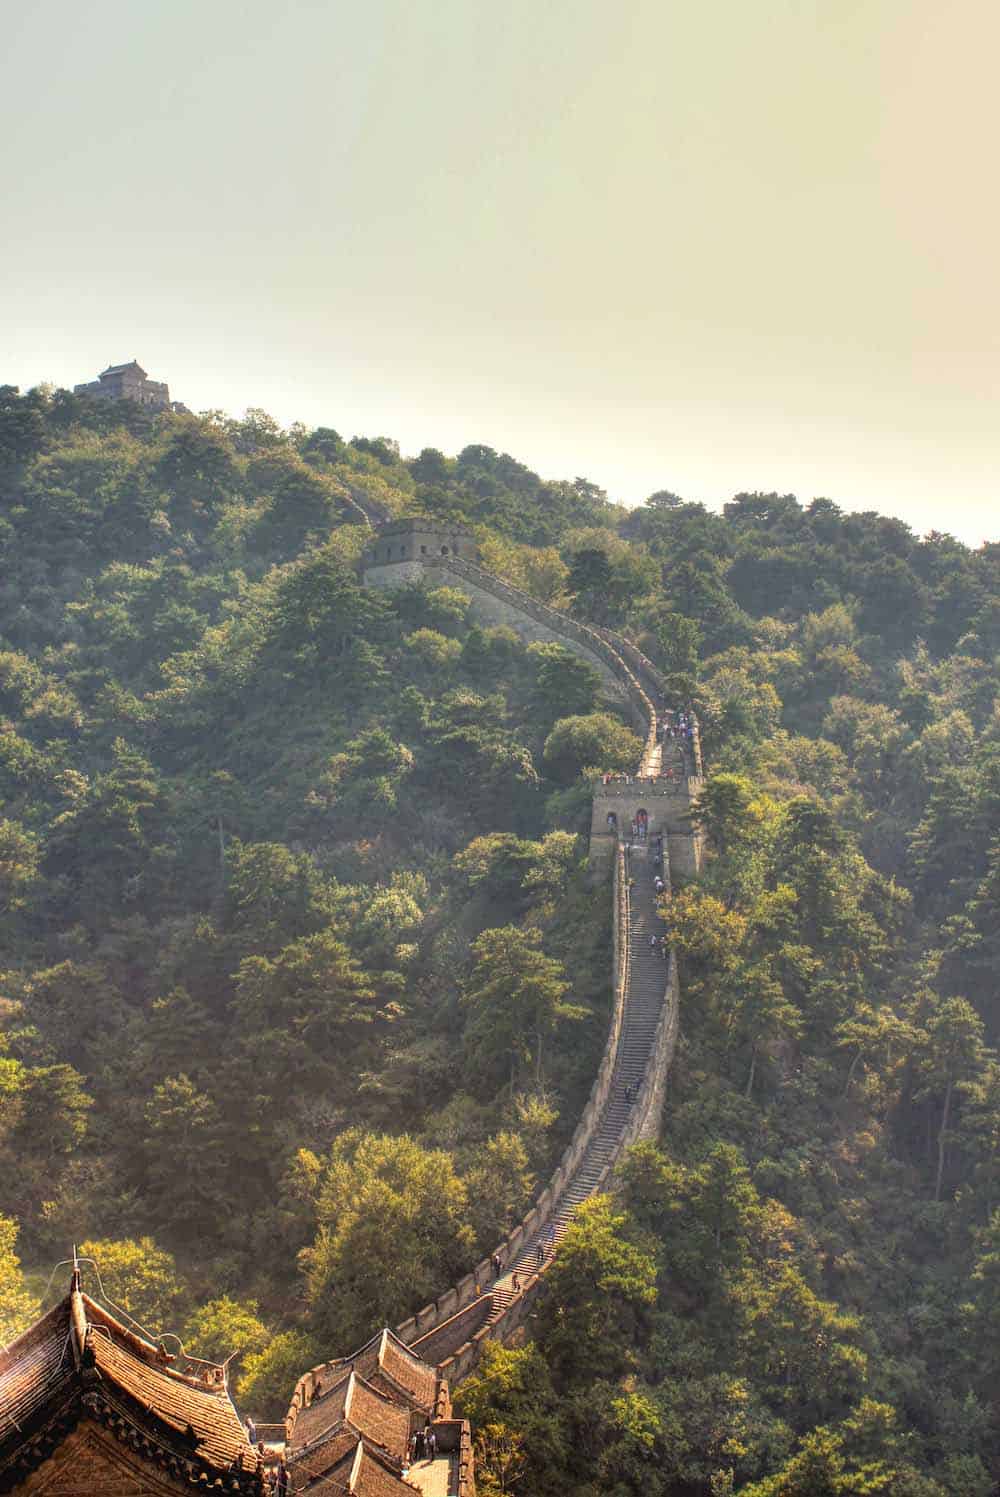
(400,551)
(663,805)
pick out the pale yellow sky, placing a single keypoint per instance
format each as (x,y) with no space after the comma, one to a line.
(726,245)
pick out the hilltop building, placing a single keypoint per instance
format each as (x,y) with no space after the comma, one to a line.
(127,382)
(400,551)
(89,1405)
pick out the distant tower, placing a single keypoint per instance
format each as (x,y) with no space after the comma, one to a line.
(127,382)
(400,551)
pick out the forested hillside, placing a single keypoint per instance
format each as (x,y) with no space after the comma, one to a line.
(305,982)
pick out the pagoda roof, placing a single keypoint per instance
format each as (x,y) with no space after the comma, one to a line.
(355,1471)
(78,1358)
(35,1369)
(385,1363)
(124,369)
(354,1404)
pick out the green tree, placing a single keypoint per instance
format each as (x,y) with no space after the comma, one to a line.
(564,685)
(139,1278)
(269,1375)
(597,1293)
(18,1308)
(302,1012)
(184,1156)
(392,1229)
(595,740)
(515,998)
(953,1055)
(499,1187)
(19,859)
(54,1108)
(224,1328)
(516,1418)
(590,584)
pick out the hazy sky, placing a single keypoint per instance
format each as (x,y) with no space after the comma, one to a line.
(730,244)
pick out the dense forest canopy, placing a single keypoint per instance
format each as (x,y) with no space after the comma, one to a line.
(293,889)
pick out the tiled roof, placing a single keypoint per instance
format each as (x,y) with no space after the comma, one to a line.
(354,1402)
(123,368)
(357,1472)
(79,1356)
(389,1365)
(122,1358)
(408,1371)
(35,1369)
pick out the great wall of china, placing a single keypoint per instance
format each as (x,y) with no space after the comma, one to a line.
(83,1388)
(450,1332)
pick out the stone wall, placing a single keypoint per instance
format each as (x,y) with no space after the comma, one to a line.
(667,803)
(633,679)
(474,1283)
(497,602)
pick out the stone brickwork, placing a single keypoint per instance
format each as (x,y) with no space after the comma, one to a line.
(127,382)
(90,1461)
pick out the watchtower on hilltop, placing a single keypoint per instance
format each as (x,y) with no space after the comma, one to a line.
(127,382)
(401,550)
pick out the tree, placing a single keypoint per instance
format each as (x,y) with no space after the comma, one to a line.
(362,782)
(134,1275)
(511,1404)
(515,998)
(225,1328)
(589,584)
(270,1374)
(724,810)
(195,466)
(595,740)
(392,1230)
(564,685)
(802,1342)
(111,848)
(869,1036)
(596,1293)
(54,1110)
(763,1015)
(273,895)
(499,1187)
(953,1055)
(303,1012)
(184,1153)
(18,1308)
(19,857)
(325,626)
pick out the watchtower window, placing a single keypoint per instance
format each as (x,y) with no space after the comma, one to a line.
(444,550)
(423,550)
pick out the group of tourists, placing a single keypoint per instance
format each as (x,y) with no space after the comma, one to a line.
(675,726)
(423,1445)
